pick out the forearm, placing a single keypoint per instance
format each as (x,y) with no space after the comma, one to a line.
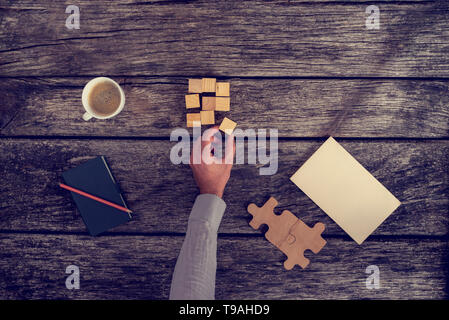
(194,275)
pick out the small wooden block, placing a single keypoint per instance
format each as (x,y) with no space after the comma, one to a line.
(222,89)
(192,101)
(209,103)
(207,117)
(193,117)
(208,84)
(227,125)
(195,85)
(222,103)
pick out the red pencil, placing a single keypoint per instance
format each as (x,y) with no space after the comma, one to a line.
(94,198)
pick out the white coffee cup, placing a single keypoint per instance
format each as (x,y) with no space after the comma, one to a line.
(90,113)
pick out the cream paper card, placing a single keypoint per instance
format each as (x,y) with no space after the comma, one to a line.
(345,190)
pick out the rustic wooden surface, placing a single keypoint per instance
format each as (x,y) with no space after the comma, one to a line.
(416,172)
(374,108)
(253,264)
(308,68)
(225,38)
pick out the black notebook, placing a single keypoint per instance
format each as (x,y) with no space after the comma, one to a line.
(95,178)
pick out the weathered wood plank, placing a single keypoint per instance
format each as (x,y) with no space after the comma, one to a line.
(161,193)
(297,108)
(224,38)
(128,267)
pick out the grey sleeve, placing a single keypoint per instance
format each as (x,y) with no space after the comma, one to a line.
(194,275)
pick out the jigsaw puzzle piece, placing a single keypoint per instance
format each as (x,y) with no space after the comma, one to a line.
(295,254)
(261,215)
(302,238)
(310,236)
(279,227)
(291,235)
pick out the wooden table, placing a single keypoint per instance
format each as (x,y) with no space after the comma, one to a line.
(307,68)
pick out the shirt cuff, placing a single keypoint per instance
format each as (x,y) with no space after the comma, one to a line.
(208,208)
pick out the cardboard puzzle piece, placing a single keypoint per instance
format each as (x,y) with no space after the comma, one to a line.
(291,235)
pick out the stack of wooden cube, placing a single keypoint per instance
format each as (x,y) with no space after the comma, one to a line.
(210,96)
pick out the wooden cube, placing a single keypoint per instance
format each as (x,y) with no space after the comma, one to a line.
(222,89)
(208,103)
(209,84)
(222,103)
(227,125)
(192,101)
(193,119)
(195,85)
(207,117)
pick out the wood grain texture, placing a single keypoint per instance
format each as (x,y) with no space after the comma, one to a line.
(297,108)
(136,267)
(224,38)
(308,68)
(161,194)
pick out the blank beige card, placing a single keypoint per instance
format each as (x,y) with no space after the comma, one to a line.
(345,190)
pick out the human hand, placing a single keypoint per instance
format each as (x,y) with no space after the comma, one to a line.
(212,173)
